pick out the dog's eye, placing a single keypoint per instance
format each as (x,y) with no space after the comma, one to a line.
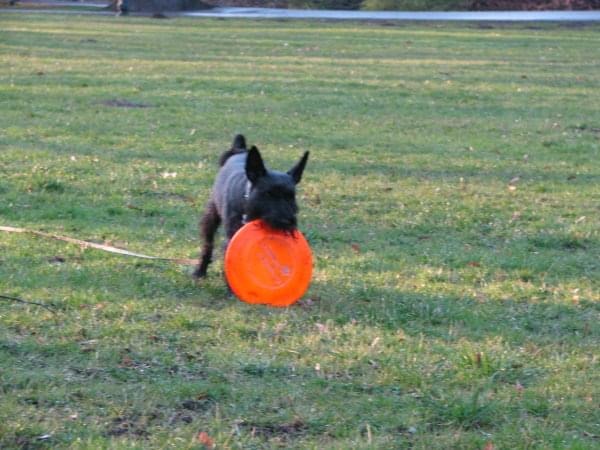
(282,195)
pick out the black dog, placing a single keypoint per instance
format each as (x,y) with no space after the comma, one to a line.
(245,190)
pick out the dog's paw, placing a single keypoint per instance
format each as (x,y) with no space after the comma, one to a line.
(198,274)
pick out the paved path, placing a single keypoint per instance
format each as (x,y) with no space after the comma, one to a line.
(272,13)
(497,16)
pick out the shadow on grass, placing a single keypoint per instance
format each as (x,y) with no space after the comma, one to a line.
(452,318)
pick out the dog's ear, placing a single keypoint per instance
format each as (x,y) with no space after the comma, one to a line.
(296,171)
(239,141)
(255,168)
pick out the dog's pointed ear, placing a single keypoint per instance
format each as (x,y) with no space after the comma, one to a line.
(255,168)
(239,141)
(296,171)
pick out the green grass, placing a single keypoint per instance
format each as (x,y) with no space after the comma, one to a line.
(451,201)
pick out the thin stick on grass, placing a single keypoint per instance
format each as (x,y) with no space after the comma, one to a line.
(50,308)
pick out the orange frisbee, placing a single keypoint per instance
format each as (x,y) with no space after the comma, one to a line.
(268,266)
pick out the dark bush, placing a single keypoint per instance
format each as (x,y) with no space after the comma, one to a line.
(325,4)
(417,5)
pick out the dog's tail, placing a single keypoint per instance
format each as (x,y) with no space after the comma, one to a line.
(238,146)
(239,141)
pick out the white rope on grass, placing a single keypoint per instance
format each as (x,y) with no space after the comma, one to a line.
(106,248)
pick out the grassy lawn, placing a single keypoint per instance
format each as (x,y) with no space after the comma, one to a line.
(452,203)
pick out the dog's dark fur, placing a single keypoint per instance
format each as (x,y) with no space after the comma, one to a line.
(246,190)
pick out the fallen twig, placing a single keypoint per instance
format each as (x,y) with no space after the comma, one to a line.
(50,308)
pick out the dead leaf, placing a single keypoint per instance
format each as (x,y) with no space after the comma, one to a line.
(355,247)
(580,219)
(205,439)
(307,303)
(489,446)
(126,361)
(322,328)
(279,327)
(481,297)
(474,264)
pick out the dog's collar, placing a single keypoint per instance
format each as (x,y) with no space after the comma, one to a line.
(247,190)
(246,196)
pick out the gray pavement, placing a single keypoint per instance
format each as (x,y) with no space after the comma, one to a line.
(272,13)
(478,16)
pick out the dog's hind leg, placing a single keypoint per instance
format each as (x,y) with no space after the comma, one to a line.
(208,227)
